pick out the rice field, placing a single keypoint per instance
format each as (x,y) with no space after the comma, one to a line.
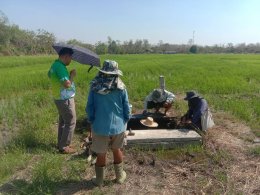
(230,83)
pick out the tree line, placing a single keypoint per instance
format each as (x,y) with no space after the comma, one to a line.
(17,41)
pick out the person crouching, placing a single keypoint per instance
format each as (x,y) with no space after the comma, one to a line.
(157,99)
(197,107)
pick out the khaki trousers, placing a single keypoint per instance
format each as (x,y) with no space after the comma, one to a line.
(67,121)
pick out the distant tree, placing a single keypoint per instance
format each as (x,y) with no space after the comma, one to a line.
(45,41)
(4,32)
(146,46)
(75,42)
(138,46)
(130,47)
(16,41)
(101,48)
(81,44)
(113,48)
(230,48)
(241,48)
(193,49)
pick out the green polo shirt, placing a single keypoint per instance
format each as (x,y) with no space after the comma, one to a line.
(58,73)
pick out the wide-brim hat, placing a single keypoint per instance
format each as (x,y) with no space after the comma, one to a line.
(110,67)
(191,94)
(149,122)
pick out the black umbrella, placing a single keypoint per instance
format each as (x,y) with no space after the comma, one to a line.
(80,54)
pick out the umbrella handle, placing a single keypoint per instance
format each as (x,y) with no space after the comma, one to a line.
(90,68)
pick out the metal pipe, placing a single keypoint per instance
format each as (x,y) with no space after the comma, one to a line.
(162,82)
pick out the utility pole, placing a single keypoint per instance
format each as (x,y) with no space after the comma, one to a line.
(193,37)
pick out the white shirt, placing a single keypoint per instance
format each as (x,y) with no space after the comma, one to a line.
(166,96)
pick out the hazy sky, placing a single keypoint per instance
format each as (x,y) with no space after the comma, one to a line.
(172,21)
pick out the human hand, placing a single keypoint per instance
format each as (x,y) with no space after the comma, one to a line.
(184,119)
(166,104)
(188,121)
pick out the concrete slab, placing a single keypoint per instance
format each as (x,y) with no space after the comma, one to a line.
(166,138)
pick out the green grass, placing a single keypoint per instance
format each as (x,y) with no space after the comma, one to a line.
(48,173)
(194,151)
(12,162)
(255,151)
(230,83)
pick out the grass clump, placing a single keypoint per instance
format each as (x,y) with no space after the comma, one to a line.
(11,162)
(49,172)
(255,151)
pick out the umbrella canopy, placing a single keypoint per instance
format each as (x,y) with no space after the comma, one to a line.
(80,54)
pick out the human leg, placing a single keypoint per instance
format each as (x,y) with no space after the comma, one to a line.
(60,129)
(100,167)
(68,114)
(100,174)
(101,159)
(100,147)
(117,144)
(120,173)
(118,156)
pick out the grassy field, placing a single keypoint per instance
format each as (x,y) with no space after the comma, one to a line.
(230,83)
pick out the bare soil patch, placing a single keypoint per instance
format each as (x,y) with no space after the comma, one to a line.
(226,167)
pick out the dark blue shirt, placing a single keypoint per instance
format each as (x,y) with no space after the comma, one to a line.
(197,106)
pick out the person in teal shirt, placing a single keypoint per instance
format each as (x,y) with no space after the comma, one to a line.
(108,113)
(63,90)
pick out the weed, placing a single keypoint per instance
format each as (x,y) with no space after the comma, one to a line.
(255,151)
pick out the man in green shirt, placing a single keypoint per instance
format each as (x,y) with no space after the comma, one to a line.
(63,89)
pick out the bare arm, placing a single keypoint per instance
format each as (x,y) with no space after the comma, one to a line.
(67,83)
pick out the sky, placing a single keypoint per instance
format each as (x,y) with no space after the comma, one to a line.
(171,21)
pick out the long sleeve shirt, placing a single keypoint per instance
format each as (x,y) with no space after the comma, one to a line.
(196,109)
(108,114)
(166,96)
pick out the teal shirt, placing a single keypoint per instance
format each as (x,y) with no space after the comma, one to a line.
(108,114)
(58,73)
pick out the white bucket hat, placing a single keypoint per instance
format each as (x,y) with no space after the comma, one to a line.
(149,122)
(110,67)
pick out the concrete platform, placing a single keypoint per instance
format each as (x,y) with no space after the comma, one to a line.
(163,138)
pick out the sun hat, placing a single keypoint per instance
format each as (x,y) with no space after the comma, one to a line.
(110,67)
(191,94)
(149,122)
(157,93)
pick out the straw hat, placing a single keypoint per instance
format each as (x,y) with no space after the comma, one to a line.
(149,122)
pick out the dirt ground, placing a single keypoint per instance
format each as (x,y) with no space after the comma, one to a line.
(226,167)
